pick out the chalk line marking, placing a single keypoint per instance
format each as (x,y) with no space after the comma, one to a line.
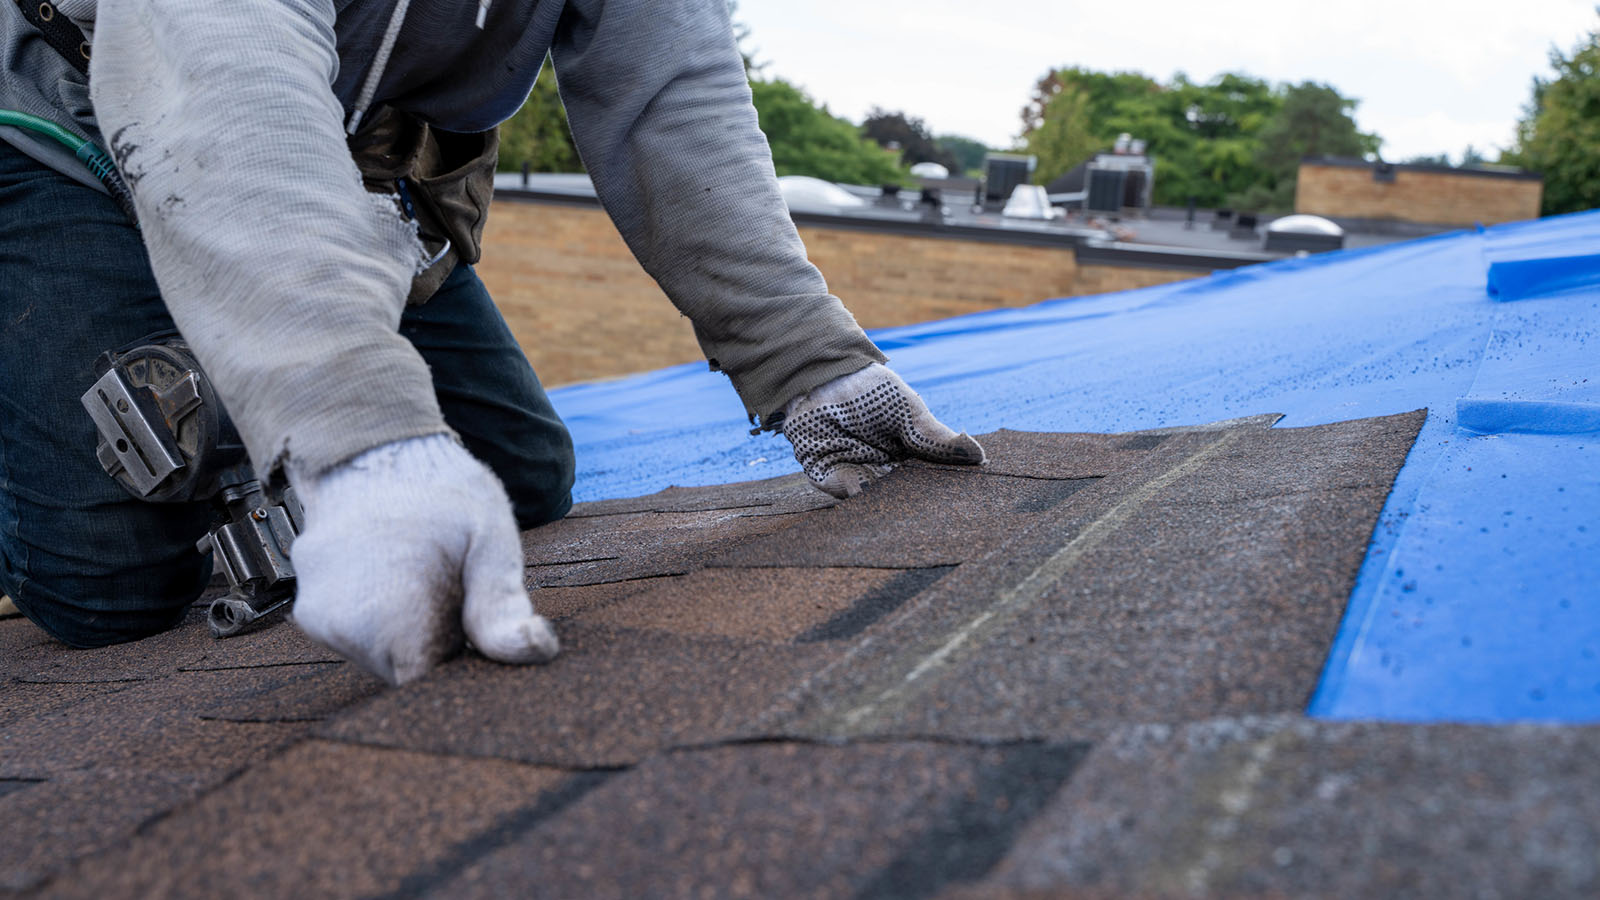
(1043,577)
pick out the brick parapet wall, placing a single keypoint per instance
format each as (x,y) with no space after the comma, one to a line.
(1430,196)
(583,309)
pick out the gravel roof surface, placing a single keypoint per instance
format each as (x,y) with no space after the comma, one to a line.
(1080,670)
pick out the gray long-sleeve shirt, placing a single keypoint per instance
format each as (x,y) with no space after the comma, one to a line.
(288,279)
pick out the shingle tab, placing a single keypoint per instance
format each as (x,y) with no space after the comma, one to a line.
(1289,807)
(614,697)
(777,605)
(602,549)
(790,820)
(1142,600)
(290,827)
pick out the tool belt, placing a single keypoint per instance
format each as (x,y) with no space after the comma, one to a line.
(443,180)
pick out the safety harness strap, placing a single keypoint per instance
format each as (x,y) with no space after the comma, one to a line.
(58,31)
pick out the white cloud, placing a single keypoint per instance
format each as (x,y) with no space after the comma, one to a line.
(1435,133)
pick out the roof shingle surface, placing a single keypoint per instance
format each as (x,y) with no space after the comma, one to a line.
(1079,669)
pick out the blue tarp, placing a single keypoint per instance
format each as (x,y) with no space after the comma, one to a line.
(1480,596)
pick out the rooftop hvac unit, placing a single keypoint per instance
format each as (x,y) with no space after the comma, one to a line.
(1135,189)
(1106,190)
(1002,173)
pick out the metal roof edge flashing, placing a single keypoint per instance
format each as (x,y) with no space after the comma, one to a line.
(987,234)
(1061,238)
(534,195)
(1116,253)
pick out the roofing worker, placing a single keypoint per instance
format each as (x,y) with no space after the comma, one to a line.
(238,128)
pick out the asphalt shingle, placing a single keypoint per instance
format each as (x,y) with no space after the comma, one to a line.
(926,516)
(599,549)
(1136,602)
(778,605)
(772,496)
(285,828)
(1078,670)
(1289,807)
(153,726)
(52,822)
(786,820)
(614,697)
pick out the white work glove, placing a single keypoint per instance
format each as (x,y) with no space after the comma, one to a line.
(856,427)
(407,548)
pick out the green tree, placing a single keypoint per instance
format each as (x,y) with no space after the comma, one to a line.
(808,140)
(1559,132)
(910,134)
(1063,137)
(1469,157)
(1106,91)
(1234,140)
(1315,120)
(967,152)
(1428,159)
(1202,136)
(538,133)
(1210,154)
(1233,105)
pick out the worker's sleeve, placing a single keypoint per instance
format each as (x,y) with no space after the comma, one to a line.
(286,277)
(658,101)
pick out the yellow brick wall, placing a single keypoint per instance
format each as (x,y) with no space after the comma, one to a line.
(1437,198)
(582,308)
(574,296)
(1103,279)
(896,279)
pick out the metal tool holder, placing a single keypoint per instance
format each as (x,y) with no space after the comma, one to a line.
(251,549)
(165,437)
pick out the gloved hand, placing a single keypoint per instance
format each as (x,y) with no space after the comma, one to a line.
(856,427)
(407,547)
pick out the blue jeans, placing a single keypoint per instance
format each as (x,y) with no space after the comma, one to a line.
(79,556)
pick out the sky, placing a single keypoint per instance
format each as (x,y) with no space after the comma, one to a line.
(1431,76)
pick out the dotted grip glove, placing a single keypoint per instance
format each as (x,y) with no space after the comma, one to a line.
(410,549)
(856,427)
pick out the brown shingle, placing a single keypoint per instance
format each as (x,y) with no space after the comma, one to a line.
(325,820)
(613,697)
(787,820)
(765,694)
(601,549)
(759,604)
(1134,602)
(1284,806)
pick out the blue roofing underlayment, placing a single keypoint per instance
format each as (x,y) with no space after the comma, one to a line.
(1480,596)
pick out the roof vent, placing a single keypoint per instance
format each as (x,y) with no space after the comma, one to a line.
(1029,201)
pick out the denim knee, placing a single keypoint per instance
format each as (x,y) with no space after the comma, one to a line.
(111,607)
(80,557)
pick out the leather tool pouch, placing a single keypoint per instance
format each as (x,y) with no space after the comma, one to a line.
(444,180)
